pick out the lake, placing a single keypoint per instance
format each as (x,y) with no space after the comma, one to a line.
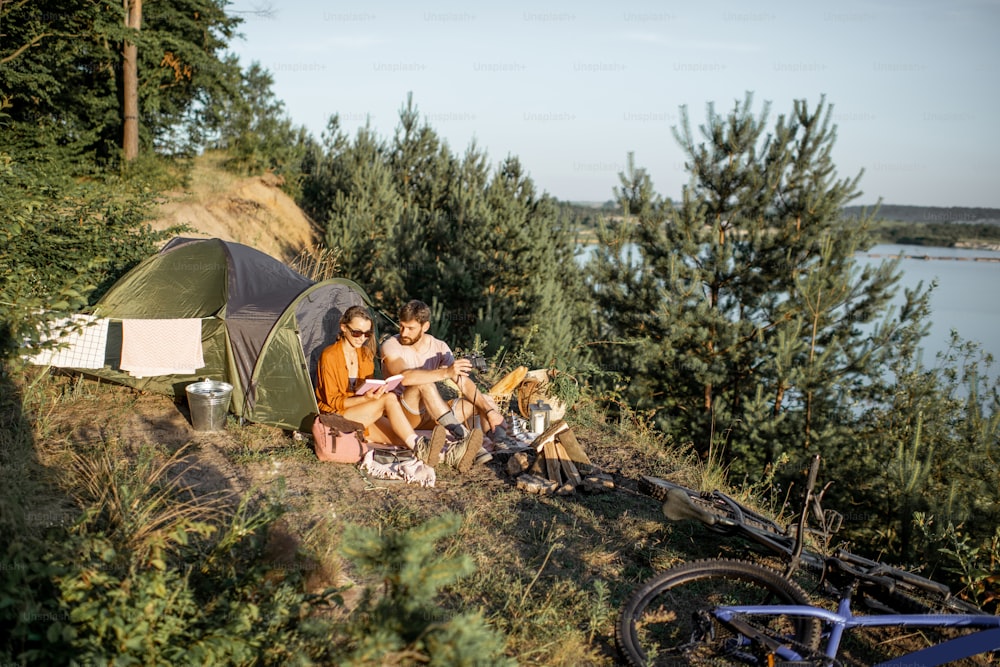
(966,298)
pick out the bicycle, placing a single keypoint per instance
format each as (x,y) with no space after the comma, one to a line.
(891,590)
(745,613)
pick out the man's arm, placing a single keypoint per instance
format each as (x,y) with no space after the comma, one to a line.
(393,363)
(414,376)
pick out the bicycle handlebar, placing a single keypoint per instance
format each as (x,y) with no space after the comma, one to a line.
(678,506)
(876,571)
(813,474)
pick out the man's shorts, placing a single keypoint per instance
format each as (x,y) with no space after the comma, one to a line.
(417,413)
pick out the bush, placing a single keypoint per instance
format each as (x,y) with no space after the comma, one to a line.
(925,463)
(138,570)
(63,244)
(143,575)
(403,624)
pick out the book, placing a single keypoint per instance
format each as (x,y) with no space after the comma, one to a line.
(374,383)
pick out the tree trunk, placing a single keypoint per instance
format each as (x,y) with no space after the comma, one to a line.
(130,84)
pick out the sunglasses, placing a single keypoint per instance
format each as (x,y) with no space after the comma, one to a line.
(358,334)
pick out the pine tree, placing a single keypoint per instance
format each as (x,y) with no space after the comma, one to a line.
(476,298)
(362,220)
(428,246)
(931,447)
(251,125)
(480,246)
(741,313)
(533,269)
(61,66)
(322,171)
(626,300)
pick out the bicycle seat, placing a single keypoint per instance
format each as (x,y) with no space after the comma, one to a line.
(677,506)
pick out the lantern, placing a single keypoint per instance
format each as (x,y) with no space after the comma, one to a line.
(539,415)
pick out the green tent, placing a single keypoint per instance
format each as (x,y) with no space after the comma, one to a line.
(263,325)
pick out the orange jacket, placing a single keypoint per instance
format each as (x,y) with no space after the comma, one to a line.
(332,383)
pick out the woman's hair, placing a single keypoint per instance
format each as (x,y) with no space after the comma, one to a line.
(355,312)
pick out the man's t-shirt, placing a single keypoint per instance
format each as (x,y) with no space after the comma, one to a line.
(428,354)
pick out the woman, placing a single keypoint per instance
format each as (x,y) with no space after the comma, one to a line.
(345,365)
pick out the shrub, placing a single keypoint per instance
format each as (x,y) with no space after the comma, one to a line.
(63,244)
(402,623)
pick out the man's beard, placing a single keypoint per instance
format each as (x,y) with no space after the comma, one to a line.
(404,340)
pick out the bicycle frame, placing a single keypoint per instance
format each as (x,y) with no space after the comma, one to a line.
(984,640)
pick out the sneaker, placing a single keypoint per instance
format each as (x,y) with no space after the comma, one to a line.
(429,451)
(462,454)
(482,456)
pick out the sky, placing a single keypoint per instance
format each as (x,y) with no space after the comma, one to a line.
(572,88)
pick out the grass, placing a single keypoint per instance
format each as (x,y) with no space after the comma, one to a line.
(550,572)
(258,443)
(207,178)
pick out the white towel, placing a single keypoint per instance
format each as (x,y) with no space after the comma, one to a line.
(81,344)
(161,347)
(411,471)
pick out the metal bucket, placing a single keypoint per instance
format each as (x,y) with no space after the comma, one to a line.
(209,403)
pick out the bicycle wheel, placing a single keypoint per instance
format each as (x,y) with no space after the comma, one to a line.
(666,621)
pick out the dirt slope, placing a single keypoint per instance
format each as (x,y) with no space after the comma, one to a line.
(253,211)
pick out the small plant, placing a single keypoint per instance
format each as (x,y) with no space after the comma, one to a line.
(399,621)
(976,566)
(85,595)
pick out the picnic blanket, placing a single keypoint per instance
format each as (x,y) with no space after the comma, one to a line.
(409,469)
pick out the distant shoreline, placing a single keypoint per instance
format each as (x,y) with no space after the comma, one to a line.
(878,255)
(589,237)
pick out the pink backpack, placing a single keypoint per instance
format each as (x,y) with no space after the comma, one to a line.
(338,439)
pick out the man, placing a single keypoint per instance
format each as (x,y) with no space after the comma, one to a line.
(423,361)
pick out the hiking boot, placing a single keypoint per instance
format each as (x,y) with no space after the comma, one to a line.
(482,457)
(463,453)
(429,451)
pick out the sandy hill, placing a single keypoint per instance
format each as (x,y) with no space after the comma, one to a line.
(253,211)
